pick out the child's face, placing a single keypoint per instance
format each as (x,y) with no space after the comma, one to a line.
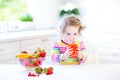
(70,34)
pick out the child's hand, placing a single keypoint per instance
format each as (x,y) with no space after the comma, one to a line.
(67,53)
(78,50)
(80,56)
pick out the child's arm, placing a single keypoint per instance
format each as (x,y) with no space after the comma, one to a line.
(82,53)
(55,53)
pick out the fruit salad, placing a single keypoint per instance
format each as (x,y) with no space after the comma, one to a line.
(31,60)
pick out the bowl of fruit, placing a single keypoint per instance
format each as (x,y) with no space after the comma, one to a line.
(31,60)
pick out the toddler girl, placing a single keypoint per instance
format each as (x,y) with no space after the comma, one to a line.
(70,28)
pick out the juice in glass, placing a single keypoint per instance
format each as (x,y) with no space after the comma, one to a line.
(74,54)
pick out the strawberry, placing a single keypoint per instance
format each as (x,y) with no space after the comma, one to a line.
(31,74)
(38,50)
(34,75)
(24,52)
(39,70)
(42,54)
(36,63)
(49,71)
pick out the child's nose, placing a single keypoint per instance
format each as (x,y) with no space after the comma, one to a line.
(72,37)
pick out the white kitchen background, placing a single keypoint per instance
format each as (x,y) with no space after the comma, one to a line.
(102,33)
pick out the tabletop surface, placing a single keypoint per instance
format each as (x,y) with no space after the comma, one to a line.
(64,72)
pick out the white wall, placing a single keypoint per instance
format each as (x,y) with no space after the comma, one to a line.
(45,12)
(101,13)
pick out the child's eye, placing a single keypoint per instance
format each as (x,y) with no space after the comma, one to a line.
(75,33)
(68,33)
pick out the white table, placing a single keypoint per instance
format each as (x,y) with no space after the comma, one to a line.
(63,72)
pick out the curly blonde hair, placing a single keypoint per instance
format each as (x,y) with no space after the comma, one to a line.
(70,21)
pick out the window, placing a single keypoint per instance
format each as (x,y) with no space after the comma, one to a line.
(44,17)
(10,11)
